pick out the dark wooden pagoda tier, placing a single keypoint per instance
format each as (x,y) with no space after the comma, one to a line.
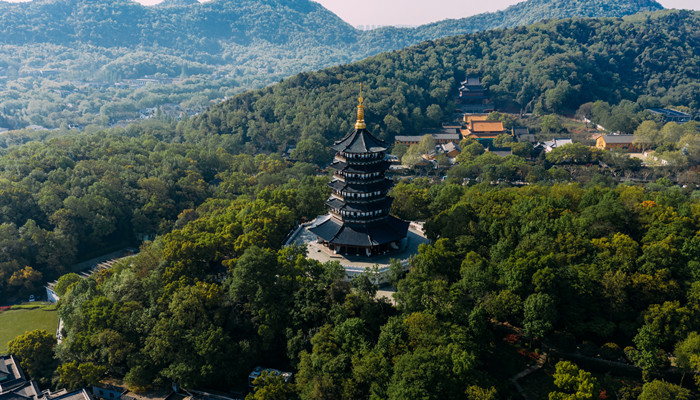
(359,220)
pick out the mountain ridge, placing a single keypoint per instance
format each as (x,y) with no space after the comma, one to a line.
(245,21)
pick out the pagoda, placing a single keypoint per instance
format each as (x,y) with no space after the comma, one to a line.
(359,221)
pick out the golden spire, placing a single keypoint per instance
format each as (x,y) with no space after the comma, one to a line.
(360,124)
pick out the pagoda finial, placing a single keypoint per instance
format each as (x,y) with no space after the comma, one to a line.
(360,124)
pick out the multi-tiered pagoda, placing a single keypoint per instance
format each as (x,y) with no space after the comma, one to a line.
(359,221)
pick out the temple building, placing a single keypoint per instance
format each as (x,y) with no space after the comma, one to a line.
(359,221)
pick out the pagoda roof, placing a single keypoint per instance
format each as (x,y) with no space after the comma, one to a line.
(359,207)
(360,168)
(360,188)
(359,141)
(334,231)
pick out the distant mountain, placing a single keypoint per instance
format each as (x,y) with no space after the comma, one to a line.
(177,24)
(553,66)
(188,24)
(222,47)
(531,11)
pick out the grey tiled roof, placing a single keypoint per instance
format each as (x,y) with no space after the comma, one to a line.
(359,141)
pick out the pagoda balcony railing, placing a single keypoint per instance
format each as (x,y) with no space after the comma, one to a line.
(357,200)
(360,181)
(372,160)
(359,220)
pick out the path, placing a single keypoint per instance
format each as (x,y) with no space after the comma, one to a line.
(527,371)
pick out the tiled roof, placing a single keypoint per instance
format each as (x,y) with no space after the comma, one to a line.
(618,138)
(359,141)
(334,231)
(484,126)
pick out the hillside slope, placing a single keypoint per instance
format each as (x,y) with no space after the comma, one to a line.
(201,26)
(554,66)
(71,61)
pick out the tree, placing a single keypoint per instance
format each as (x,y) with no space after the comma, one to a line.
(504,306)
(73,375)
(647,134)
(648,354)
(539,313)
(425,374)
(35,352)
(550,124)
(661,390)
(272,387)
(393,125)
(575,153)
(434,113)
(399,150)
(503,140)
(26,280)
(575,383)
(687,354)
(522,149)
(478,393)
(426,144)
(65,282)
(311,151)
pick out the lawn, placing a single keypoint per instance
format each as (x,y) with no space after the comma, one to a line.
(15,322)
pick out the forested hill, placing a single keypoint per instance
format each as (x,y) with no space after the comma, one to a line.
(524,13)
(175,24)
(552,67)
(69,62)
(190,25)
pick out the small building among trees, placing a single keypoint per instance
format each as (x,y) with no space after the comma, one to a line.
(621,142)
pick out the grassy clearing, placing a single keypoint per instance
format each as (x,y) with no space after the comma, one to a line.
(26,318)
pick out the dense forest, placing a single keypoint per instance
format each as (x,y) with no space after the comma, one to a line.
(614,268)
(572,261)
(551,67)
(66,194)
(71,61)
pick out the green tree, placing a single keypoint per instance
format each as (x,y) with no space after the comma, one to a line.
(576,153)
(661,390)
(65,282)
(539,314)
(687,354)
(575,383)
(550,124)
(272,387)
(35,352)
(311,151)
(73,375)
(648,354)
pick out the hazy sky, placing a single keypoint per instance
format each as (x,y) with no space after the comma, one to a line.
(416,12)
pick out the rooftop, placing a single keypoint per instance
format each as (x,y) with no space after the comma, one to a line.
(359,141)
(669,112)
(618,138)
(355,265)
(486,126)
